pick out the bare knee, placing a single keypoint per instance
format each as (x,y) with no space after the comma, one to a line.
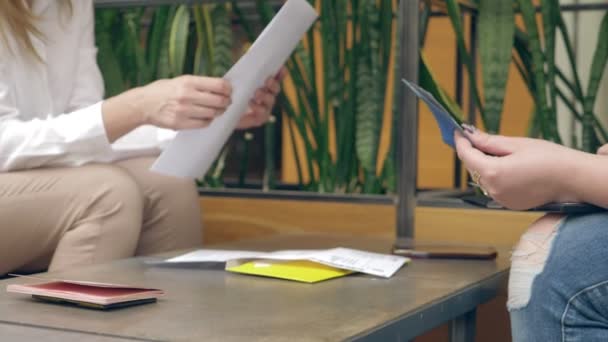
(529,257)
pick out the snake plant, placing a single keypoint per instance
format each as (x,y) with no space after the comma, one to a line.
(336,112)
(139,45)
(533,54)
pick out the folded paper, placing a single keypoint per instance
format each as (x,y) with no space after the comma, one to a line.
(192,152)
(382,265)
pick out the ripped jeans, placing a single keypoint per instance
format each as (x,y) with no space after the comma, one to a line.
(558,286)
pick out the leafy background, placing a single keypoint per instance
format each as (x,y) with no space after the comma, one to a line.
(339,93)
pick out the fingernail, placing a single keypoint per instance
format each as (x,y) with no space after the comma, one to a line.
(469,128)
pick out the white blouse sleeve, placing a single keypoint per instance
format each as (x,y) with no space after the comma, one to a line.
(66,140)
(89,86)
(69,139)
(143,141)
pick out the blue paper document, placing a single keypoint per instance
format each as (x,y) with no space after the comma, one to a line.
(446,122)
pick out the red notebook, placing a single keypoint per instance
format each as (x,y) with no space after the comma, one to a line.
(88,294)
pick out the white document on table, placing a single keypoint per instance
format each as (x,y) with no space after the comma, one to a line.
(192,152)
(382,265)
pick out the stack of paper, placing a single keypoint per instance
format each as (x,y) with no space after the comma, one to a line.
(299,265)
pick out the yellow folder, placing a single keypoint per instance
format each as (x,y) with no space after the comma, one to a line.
(297,270)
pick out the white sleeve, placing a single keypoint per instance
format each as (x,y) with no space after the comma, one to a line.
(66,140)
(70,139)
(89,87)
(143,141)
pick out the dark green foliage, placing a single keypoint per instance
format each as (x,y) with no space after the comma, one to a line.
(497,27)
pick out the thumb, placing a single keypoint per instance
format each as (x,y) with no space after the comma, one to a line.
(496,145)
(603,150)
(473,158)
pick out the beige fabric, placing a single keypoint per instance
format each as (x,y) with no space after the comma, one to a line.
(66,217)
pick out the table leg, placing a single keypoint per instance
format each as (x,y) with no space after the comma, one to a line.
(462,328)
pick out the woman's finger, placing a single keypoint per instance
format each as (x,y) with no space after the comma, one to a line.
(209,84)
(280,76)
(190,123)
(247,121)
(603,150)
(203,112)
(474,159)
(258,109)
(207,99)
(273,86)
(496,145)
(264,98)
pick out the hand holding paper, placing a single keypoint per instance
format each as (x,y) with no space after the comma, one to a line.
(261,105)
(192,152)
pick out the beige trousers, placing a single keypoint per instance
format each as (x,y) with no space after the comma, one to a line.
(58,218)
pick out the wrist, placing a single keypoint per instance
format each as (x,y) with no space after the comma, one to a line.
(571,171)
(122,114)
(135,104)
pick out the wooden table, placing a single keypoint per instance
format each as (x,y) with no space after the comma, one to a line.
(209,304)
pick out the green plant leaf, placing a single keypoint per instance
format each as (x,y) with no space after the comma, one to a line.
(178,40)
(268,181)
(547,129)
(563,29)
(497,24)
(106,58)
(132,21)
(550,13)
(163,68)
(456,20)
(199,60)
(427,81)
(598,65)
(222,40)
(155,38)
(367,122)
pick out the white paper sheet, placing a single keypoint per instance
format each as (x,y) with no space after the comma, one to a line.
(382,265)
(192,152)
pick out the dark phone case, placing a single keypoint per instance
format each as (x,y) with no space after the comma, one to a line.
(564,208)
(94,305)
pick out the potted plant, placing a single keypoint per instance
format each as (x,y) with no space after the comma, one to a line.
(340,132)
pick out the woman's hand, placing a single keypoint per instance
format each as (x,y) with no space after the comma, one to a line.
(261,105)
(184,102)
(520,173)
(603,150)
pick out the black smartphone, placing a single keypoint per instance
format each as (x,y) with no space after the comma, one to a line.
(443,250)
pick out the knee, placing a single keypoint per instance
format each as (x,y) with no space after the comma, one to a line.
(174,197)
(173,190)
(113,193)
(529,258)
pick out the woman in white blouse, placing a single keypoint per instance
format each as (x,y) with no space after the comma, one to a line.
(74,182)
